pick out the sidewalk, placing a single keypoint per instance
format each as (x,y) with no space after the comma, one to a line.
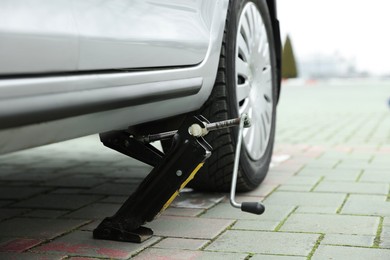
(326,195)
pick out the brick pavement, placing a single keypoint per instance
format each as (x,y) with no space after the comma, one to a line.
(327,195)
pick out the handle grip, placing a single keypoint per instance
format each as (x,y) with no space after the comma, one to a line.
(253,207)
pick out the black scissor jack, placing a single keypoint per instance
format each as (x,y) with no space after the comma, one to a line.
(171,173)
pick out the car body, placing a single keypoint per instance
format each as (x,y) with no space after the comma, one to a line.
(131,68)
(74,68)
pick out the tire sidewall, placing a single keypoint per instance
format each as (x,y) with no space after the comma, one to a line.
(253,171)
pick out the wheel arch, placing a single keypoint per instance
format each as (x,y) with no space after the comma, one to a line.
(272,7)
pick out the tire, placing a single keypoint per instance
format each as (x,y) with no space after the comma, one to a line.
(225,102)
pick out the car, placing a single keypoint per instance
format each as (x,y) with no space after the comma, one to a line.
(75,68)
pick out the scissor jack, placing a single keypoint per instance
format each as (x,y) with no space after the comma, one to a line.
(171,173)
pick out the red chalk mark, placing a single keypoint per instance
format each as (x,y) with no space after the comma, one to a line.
(84,249)
(64,247)
(82,258)
(19,245)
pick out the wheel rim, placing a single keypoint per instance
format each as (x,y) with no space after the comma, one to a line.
(253,80)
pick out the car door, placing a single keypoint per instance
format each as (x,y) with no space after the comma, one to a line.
(141,33)
(37,36)
(45,36)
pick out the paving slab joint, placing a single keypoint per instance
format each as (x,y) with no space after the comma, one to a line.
(220,234)
(279,226)
(377,239)
(388,196)
(359,176)
(342,204)
(147,247)
(317,183)
(213,206)
(270,193)
(315,247)
(46,241)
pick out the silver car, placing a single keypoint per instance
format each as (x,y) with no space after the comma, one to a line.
(73,68)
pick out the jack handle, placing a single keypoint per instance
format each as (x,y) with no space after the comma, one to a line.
(250,207)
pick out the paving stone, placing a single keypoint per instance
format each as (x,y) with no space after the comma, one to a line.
(277,257)
(94,170)
(157,253)
(262,191)
(57,165)
(226,211)
(20,183)
(19,245)
(94,211)
(115,199)
(335,155)
(5,202)
(131,181)
(83,258)
(356,253)
(22,192)
(288,187)
(322,164)
(345,187)
(377,167)
(57,201)
(385,237)
(37,228)
(385,231)
(6,170)
(323,210)
(303,180)
(112,189)
(277,179)
(187,227)
(295,244)
(126,171)
(91,226)
(29,256)
(305,199)
(367,198)
(67,191)
(353,165)
(256,225)
(182,212)
(291,166)
(9,213)
(331,224)
(74,181)
(366,207)
(33,175)
(42,213)
(348,240)
(196,200)
(81,243)
(337,175)
(376,176)
(386,221)
(364,159)
(181,243)
(311,166)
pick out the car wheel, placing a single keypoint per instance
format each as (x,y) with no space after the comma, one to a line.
(246,83)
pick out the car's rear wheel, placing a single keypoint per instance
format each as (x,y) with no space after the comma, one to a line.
(246,83)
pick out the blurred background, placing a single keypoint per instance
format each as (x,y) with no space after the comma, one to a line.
(335,39)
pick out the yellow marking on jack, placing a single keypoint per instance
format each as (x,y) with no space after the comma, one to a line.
(192,175)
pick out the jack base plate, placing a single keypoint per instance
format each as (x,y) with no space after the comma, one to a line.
(138,235)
